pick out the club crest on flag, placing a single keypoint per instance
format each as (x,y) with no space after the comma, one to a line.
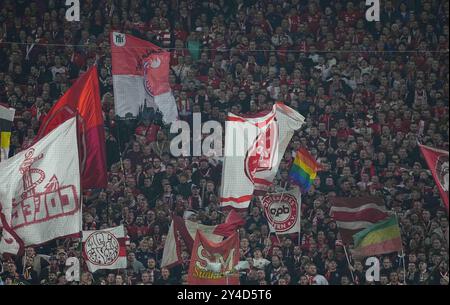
(119,39)
(261,155)
(102,248)
(281,212)
(150,63)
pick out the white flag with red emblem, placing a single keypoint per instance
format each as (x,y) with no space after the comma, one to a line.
(437,161)
(254,148)
(141,77)
(40,191)
(105,249)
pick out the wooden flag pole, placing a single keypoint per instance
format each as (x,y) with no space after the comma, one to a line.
(350,267)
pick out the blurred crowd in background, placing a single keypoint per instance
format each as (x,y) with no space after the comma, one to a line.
(370,91)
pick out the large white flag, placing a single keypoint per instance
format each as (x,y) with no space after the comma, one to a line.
(40,191)
(105,249)
(141,77)
(254,148)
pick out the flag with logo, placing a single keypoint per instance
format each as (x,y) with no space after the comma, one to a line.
(105,249)
(380,238)
(6,122)
(83,98)
(356,213)
(182,232)
(141,77)
(40,191)
(282,211)
(214,263)
(254,148)
(437,161)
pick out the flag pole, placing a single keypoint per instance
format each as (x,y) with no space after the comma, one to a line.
(350,267)
(402,254)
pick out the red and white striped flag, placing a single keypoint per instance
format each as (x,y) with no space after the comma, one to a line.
(355,214)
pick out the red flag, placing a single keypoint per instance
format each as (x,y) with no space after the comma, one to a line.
(83,97)
(437,161)
(214,263)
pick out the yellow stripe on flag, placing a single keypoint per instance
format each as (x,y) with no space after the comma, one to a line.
(5,139)
(380,236)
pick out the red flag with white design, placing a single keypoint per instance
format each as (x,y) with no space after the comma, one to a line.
(214,263)
(437,161)
(105,249)
(40,191)
(140,72)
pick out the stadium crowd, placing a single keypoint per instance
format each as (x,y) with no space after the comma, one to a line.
(369,92)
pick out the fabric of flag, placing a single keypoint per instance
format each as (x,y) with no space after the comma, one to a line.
(40,191)
(380,238)
(140,72)
(6,122)
(356,213)
(105,249)
(214,263)
(253,151)
(282,211)
(437,161)
(304,169)
(185,230)
(83,98)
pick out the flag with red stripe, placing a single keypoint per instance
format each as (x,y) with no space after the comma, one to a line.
(355,214)
(105,249)
(254,148)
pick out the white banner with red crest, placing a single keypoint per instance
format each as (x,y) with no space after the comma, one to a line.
(40,191)
(254,148)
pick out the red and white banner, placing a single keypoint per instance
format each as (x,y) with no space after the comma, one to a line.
(141,77)
(437,161)
(254,148)
(105,249)
(185,230)
(356,213)
(214,263)
(282,211)
(40,191)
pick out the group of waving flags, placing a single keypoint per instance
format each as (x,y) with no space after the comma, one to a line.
(41,186)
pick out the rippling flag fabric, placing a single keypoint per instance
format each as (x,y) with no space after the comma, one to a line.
(304,169)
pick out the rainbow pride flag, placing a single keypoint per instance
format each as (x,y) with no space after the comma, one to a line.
(380,238)
(304,169)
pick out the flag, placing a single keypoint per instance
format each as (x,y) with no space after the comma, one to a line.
(141,77)
(254,148)
(105,249)
(184,231)
(356,213)
(282,211)
(214,263)
(304,169)
(437,161)
(6,122)
(40,191)
(83,98)
(380,238)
